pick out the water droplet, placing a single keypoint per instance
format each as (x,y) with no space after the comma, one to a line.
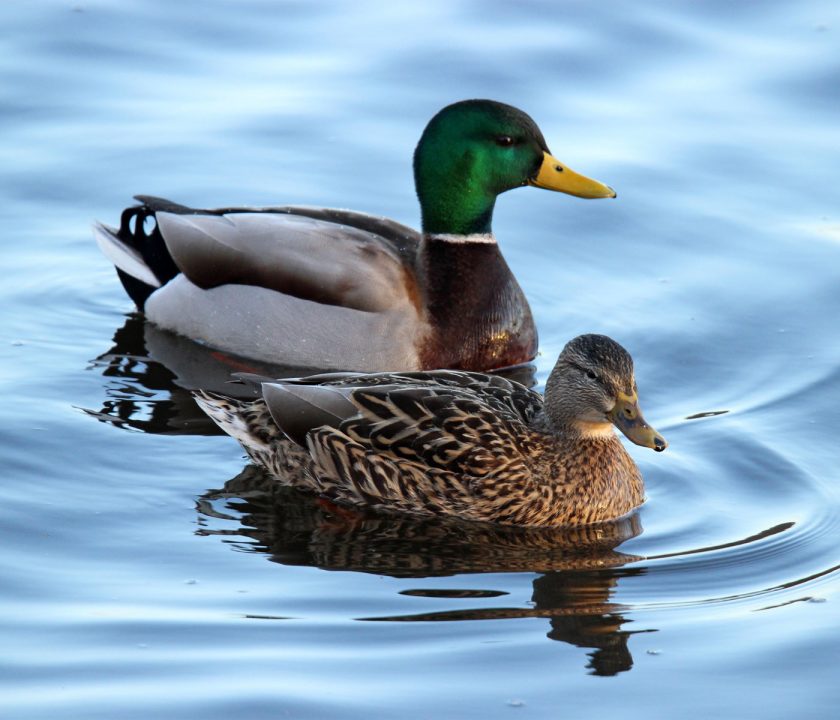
(516,703)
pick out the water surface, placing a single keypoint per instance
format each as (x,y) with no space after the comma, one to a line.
(149,572)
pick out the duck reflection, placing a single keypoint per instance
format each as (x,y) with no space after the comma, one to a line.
(150,374)
(581,614)
(579,567)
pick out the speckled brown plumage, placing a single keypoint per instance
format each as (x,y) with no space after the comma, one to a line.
(448,443)
(296,529)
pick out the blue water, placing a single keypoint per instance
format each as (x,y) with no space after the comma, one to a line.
(143,576)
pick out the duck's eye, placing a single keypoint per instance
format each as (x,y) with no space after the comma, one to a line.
(504,140)
(591,374)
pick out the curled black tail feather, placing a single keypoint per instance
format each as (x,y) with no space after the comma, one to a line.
(135,232)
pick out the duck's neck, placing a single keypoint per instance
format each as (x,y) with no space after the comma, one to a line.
(453,190)
(458,213)
(478,314)
(573,431)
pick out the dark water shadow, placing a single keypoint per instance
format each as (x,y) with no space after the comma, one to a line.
(579,568)
(149,374)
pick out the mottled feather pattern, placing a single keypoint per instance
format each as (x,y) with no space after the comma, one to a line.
(503,395)
(242,421)
(251,424)
(445,443)
(469,426)
(283,523)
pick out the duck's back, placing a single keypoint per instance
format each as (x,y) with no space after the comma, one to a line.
(140,230)
(314,287)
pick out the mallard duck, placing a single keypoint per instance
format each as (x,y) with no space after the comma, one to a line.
(336,289)
(454,443)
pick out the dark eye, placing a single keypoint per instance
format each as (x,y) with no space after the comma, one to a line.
(591,374)
(504,140)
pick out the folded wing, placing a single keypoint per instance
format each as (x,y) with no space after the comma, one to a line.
(292,254)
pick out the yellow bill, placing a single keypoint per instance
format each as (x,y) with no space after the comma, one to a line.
(554,175)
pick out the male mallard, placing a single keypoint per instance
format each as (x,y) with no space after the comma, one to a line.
(451,443)
(337,289)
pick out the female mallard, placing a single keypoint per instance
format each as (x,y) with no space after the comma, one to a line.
(336,289)
(450,443)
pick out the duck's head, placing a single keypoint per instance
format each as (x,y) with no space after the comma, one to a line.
(592,387)
(472,151)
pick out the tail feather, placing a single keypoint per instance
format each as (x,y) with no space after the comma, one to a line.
(236,420)
(124,257)
(138,250)
(251,425)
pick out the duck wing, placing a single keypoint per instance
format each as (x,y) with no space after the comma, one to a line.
(292,254)
(403,238)
(461,422)
(428,450)
(336,257)
(500,393)
(437,428)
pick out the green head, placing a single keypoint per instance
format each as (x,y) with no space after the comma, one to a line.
(472,151)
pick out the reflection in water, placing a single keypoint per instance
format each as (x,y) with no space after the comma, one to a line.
(578,565)
(150,374)
(587,619)
(296,528)
(580,569)
(134,398)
